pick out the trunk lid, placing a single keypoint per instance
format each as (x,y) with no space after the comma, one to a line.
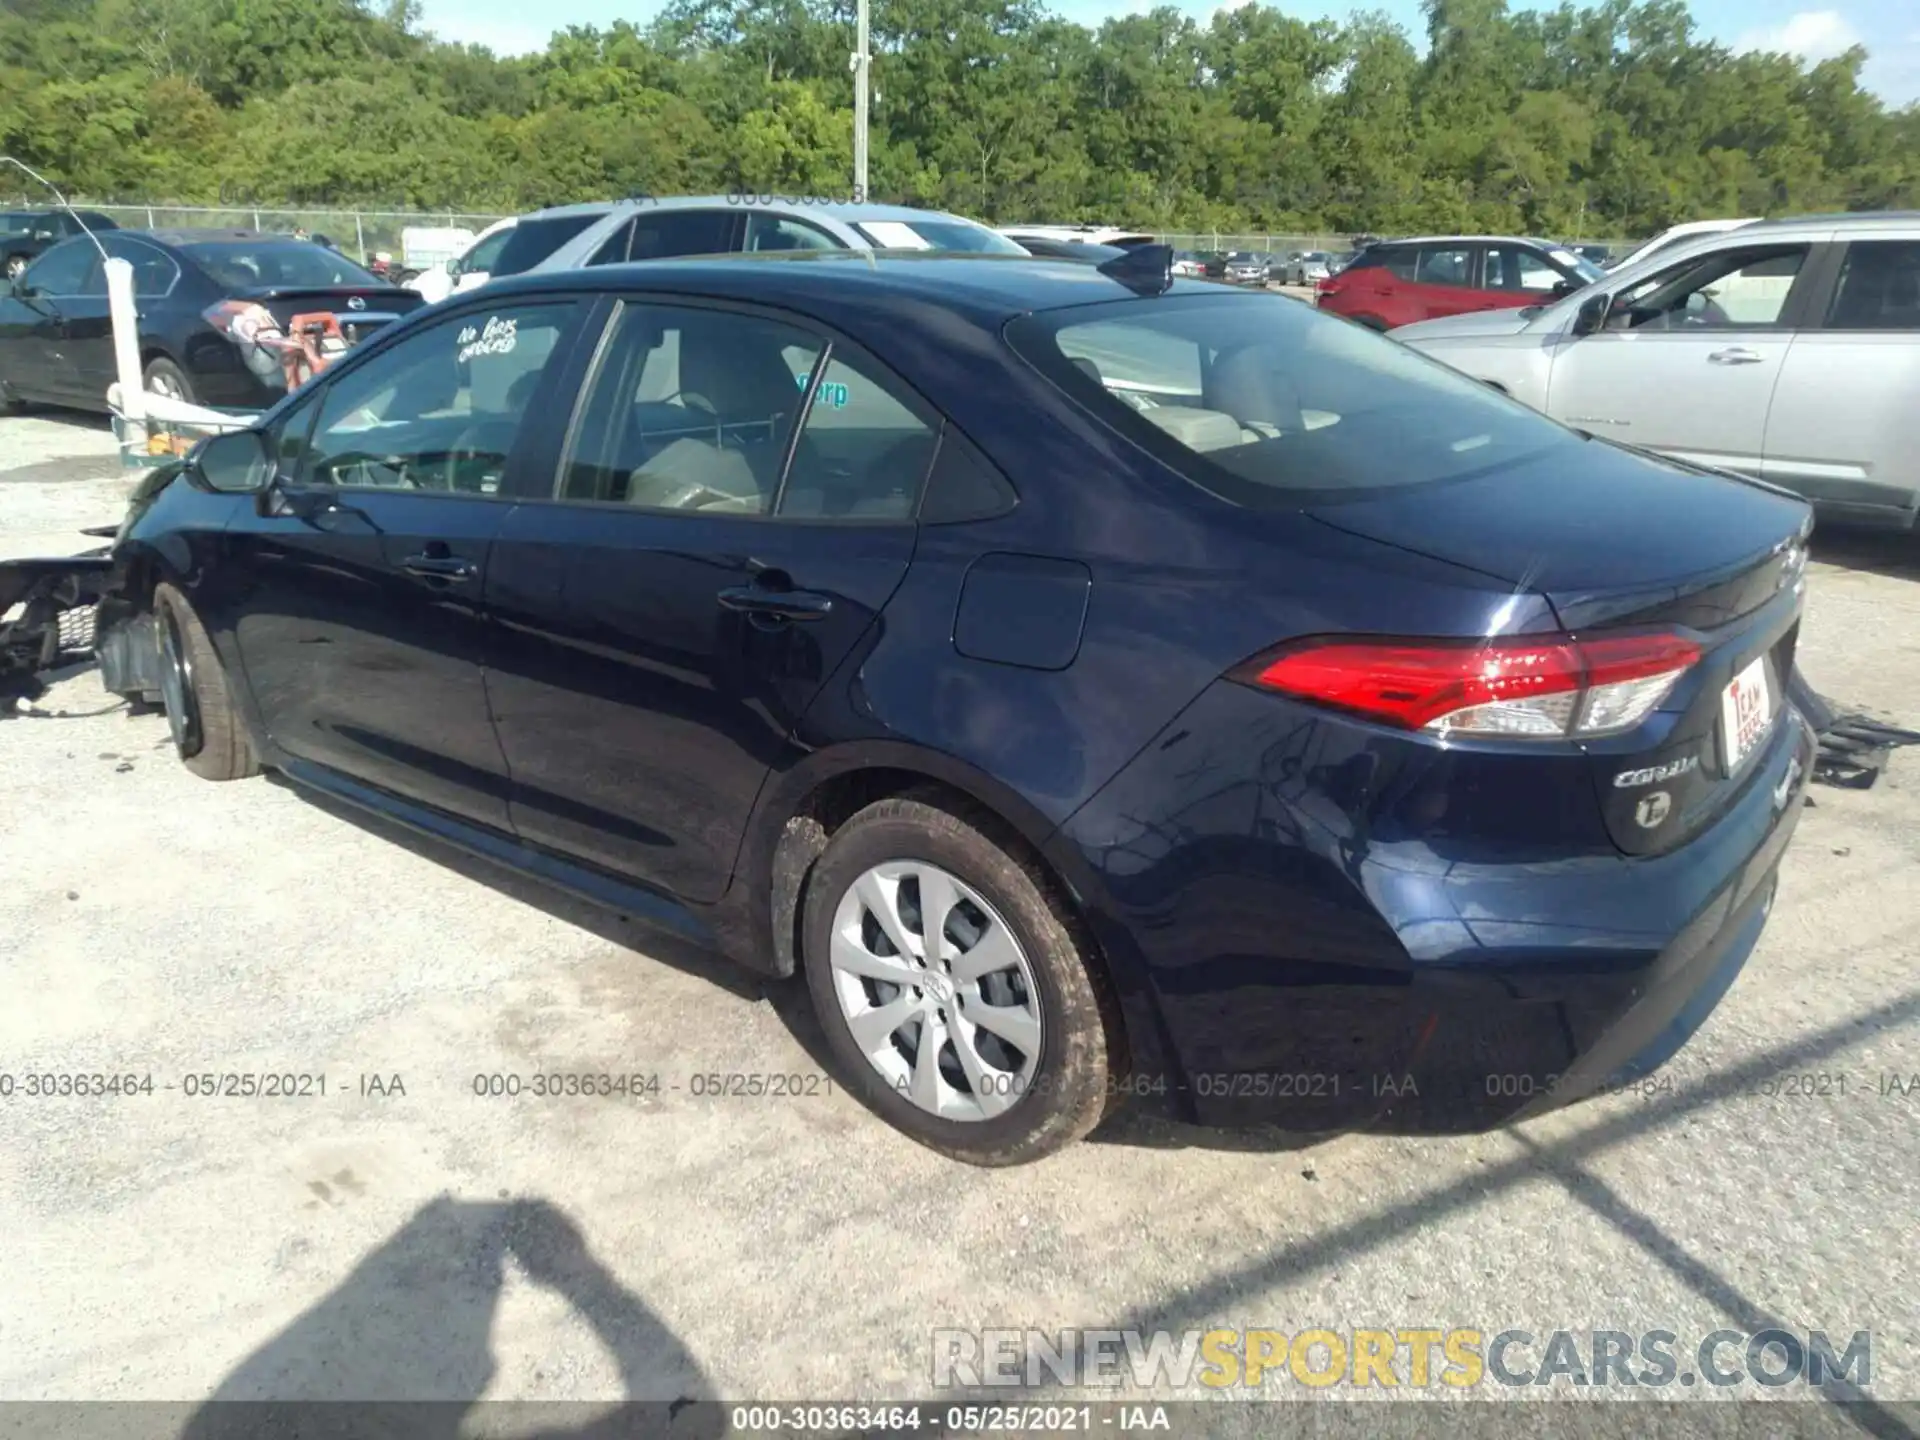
(362,309)
(1615,540)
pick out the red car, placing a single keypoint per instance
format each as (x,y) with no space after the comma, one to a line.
(1396,282)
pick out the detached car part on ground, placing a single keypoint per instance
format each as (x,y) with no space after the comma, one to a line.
(1084,722)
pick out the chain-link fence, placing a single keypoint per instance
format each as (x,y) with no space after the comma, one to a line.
(357,232)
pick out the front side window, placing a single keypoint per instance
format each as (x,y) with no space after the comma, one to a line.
(1444,265)
(1514,267)
(66,269)
(441,410)
(1265,402)
(1745,288)
(531,241)
(1879,287)
(690,409)
(485,253)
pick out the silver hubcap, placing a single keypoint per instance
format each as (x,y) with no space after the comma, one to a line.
(936,991)
(164,384)
(14,267)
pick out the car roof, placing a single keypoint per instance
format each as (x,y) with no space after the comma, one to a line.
(1859,222)
(1469,240)
(834,210)
(989,288)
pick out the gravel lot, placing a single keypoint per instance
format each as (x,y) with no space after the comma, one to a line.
(433,1244)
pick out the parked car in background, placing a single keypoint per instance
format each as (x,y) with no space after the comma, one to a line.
(1397,282)
(1091,234)
(658,229)
(1676,235)
(27,233)
(472,268)
(1189,265)
(1340,260)
(1048,248)
(212,303)
(1786,350)
(1308,267)
(1244,267)
(753,599)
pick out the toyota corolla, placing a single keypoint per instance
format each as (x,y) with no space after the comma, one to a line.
(1099,687)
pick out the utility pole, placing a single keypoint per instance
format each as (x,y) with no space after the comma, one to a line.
(862,62)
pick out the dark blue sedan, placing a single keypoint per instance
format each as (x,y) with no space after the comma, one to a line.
(1102,688)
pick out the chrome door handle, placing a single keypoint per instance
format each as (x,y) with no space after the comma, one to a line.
(777,605)
(1738,355)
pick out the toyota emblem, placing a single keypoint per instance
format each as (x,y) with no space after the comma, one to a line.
(356,303)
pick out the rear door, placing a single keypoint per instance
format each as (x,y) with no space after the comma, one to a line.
(90,325)
(1690,358)
(1445,282)
(33,321)
(357,607)
(666,619)
(1844,427)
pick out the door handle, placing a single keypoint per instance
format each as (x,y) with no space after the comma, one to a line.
(758,601)
(1738,355)
(440,567)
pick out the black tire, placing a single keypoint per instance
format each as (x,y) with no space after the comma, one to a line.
(1080,1047)
(208,733)
(172,380)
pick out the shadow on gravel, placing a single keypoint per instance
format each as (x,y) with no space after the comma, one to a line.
(402,1347)
(788,998)
(1893,553)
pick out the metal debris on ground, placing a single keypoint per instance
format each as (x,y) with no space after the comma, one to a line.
(1854,749)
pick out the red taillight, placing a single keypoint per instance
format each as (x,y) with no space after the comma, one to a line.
(1547,686)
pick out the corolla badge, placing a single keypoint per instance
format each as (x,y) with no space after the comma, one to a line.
(1652,810)
(1651,773)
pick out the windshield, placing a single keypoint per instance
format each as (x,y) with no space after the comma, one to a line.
(927,233)
(244,264)
(1265,402)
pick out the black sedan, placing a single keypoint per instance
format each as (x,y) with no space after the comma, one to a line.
(26,233)
(1097,685)
(215,307)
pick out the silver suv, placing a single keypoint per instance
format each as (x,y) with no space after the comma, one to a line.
(644,228)
(1786,349)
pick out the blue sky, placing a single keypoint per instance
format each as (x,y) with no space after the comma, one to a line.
(1890,29)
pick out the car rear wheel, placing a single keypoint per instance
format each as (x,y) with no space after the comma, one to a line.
(953,988)
(207,731)
(163,377)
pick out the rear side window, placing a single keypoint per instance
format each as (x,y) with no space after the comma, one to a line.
(1265,402)
(153,270)
(1879,287)
(665,234)
(1444,265)
(534,240)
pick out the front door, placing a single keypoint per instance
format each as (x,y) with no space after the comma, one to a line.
(359,613)
(40,362)
(1688,359)
(667,618)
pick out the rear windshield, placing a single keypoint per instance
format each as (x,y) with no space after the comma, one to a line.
(244,264)
(534,240)
(928,234)
(1265,402)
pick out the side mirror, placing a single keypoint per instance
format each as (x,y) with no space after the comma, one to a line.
(1592,315)
(236,463)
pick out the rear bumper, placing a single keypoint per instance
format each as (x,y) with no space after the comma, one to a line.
(1305,945)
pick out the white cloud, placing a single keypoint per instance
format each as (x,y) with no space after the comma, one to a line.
(1811,34)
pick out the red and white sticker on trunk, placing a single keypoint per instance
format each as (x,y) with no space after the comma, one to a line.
(1746,709)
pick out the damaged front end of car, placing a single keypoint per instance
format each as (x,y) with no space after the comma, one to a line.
(57,611)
